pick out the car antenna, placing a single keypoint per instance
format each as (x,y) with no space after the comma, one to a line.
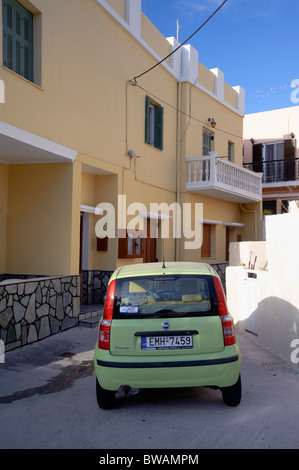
(163,264)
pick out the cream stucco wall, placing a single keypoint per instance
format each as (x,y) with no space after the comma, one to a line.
(218,214)
(40,234)
(270,125)
(82,99)
(202,107)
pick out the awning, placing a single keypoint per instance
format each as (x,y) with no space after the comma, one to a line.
(233,224)
(21,147)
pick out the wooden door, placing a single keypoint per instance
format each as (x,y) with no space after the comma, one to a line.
(149,245)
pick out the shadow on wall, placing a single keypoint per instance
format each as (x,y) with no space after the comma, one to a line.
(252,255)
(274,324)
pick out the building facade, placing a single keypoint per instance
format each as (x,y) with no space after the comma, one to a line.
(79,133)
(270,147)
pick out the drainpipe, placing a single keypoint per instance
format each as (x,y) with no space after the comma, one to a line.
(255,218)
(178,162)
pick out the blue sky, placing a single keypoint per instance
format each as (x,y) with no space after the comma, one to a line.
(254,42)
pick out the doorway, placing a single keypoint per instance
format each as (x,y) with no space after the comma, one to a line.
(84,242)
(150,243)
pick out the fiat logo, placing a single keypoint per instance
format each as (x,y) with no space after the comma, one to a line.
(166,325)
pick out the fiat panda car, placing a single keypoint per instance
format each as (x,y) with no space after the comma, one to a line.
(166,325)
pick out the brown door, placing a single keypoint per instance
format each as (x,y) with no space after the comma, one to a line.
(206,241)
(149,246)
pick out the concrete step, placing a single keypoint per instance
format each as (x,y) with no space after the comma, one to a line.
(90,315)
(90,322)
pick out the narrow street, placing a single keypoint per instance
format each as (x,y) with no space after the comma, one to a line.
(47,401)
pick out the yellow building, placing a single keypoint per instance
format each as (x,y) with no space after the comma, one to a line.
(77,131)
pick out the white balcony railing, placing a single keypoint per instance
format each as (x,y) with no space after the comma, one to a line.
(217,177)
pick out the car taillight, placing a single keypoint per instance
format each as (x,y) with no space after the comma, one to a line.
(105,325)
(226,320)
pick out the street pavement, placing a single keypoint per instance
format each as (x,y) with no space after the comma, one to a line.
(47,401)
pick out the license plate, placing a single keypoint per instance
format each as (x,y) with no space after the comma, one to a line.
(150,343)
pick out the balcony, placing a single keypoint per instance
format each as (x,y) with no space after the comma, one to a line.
(284,171)
(217,177)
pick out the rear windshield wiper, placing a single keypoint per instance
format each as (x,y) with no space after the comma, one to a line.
(165,310)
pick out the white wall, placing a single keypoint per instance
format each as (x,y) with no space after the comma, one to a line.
(267,304)
(248,253)
(272,124)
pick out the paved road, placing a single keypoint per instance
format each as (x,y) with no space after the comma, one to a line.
(47,400)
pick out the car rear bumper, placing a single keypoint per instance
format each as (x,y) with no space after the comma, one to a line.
(213,370)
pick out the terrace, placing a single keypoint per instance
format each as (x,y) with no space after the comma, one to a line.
(217,177)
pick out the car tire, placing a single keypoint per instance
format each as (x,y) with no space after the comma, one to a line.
(232,395)
(105,398)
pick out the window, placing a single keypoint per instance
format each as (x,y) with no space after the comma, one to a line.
(207,142)
(174,295)
(276,160)
(231,151)
(270,207)
(131,245)
(137,244)
(274,165)
(134,244)
(154,117)
(18,39)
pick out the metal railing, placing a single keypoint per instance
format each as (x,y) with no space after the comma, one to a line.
(276,171)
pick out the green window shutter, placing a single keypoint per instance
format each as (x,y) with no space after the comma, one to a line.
(18,38)
(28,45)
(159,127)
(9,38)
(147,120)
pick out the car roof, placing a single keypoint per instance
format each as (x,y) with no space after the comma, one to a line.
(152,269)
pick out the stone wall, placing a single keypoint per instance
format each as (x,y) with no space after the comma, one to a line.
(94,286)
(32,309)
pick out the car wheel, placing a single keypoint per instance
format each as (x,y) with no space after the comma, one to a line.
(105,398)
(232,395)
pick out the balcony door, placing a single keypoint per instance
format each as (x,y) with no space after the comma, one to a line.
(207,147)
(207,142)
(273,166)
(276,160)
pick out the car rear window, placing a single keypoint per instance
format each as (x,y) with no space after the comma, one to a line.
(165,296)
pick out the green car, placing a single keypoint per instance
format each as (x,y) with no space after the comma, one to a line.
(166,325)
